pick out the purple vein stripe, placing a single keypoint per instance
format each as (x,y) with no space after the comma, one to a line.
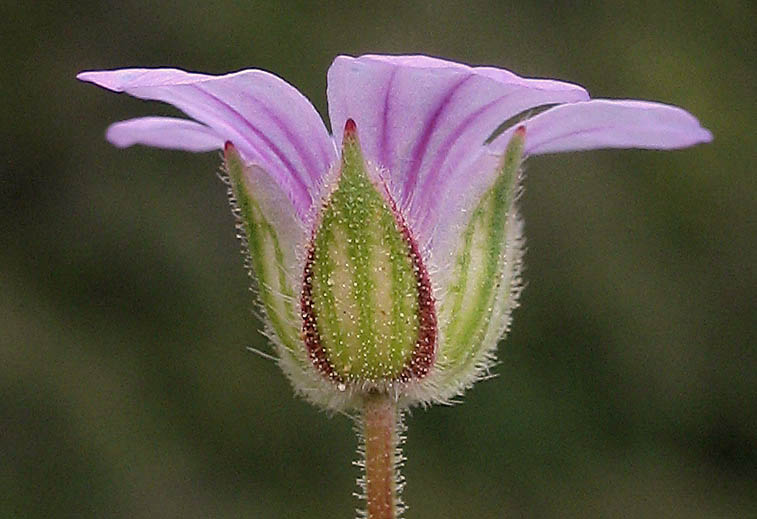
(419,152)
(302,188)
(308,160)
(384,144)
(444,155)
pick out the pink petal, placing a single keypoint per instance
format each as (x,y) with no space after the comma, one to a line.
(422,119)
(268,120)
(605,123)
(164,132)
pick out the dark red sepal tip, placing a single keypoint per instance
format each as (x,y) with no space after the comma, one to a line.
(350,129)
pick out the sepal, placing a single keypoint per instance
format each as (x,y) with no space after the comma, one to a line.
(483,287)
(367,308)
(271,236)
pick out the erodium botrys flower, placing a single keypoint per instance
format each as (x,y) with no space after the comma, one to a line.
(386,255)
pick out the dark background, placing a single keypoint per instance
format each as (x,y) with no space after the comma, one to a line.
(627,387)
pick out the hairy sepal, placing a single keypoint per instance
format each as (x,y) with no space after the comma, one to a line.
(481,286)
(273,239)
(370,322)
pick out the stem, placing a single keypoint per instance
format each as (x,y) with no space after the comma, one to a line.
(380,420)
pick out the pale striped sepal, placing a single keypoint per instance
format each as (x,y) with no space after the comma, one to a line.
(270,233)
(369,314)
(483,287)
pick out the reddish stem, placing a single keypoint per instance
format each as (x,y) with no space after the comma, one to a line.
(380,437)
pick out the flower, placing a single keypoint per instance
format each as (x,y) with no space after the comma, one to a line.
(387,256)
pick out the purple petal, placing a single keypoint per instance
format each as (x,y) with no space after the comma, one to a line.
(164,132)
(268,120)
(423,118)
(605,123)
(449,212)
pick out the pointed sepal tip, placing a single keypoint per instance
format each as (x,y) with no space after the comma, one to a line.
(350,129)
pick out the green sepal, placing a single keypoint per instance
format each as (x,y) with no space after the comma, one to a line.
(365,288)
(475,310)
(270,233)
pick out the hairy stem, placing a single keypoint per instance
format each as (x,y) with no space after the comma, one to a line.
(380,421)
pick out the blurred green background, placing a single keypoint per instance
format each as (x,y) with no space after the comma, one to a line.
(627,387)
